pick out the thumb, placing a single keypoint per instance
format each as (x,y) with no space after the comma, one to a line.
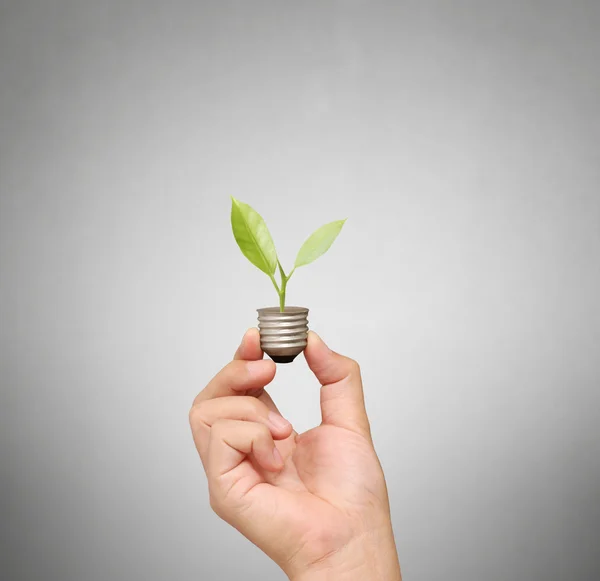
(342,400)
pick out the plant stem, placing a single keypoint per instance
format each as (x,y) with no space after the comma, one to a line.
(284,281)
(282,299)
(283,285)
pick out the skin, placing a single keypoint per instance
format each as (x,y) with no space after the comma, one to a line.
(316,503)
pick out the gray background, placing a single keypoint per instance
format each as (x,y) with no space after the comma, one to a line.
(462,141)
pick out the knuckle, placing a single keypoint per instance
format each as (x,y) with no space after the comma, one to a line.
(215,503)
(353,367)
(196,414)
(193,415)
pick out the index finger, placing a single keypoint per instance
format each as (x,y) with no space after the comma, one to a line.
(249,348)
(241,376)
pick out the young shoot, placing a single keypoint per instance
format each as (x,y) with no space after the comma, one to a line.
(255,242)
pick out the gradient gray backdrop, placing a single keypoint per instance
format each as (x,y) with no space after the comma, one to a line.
(462,141)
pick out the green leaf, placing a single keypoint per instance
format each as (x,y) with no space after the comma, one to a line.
(318,243)
(253,237)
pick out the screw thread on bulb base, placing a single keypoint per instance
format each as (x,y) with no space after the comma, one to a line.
(283,335)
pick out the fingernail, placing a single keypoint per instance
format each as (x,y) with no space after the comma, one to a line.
(277,421)
(277,456)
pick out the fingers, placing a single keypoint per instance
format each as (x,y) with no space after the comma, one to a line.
(206,413)
(239,377)
(247,373)
(342,400)
(232,440)
(249,348)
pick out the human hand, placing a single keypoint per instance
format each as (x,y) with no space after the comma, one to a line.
(316,503)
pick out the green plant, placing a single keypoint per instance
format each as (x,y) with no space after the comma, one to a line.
(255,242)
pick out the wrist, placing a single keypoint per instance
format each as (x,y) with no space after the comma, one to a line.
(372,557)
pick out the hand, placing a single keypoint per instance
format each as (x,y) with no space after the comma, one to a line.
(316,503)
